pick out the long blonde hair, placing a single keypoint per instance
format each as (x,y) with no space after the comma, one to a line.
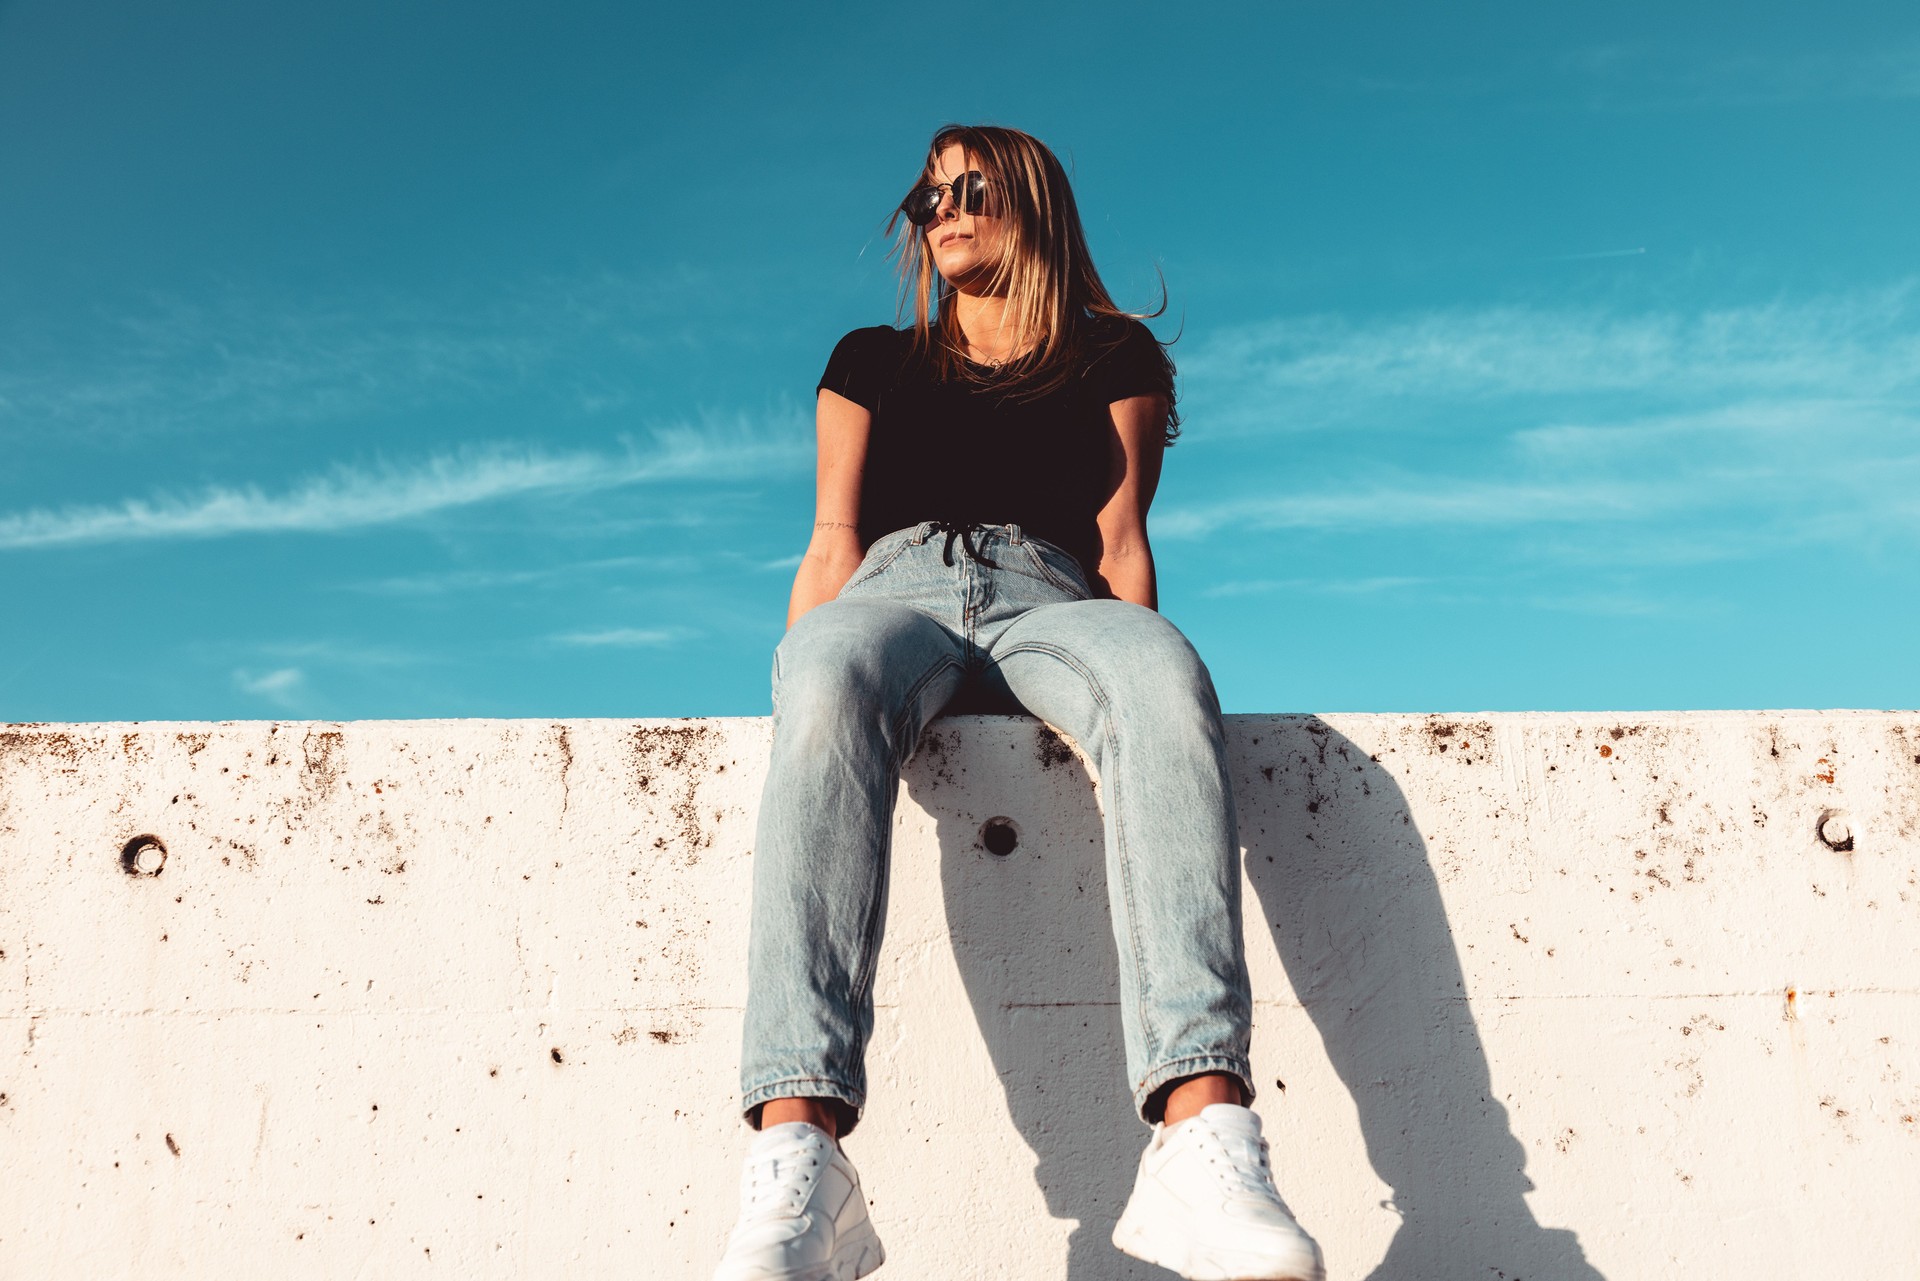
(1045,271)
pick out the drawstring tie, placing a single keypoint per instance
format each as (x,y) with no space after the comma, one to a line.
(962,530)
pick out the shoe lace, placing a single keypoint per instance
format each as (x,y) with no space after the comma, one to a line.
(1243,1166)
(776,1182)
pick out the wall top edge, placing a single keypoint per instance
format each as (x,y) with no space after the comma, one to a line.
(1711,716)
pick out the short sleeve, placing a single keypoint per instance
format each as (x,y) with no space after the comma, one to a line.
(1134,364)
(859,365)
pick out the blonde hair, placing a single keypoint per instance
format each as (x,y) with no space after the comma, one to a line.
(1044,269)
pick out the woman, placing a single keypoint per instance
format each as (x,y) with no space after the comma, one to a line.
(983,485)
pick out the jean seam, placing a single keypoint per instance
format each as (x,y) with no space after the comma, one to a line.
(1046,571)
(1112,737)
(759,1092)
(885,561)
(1192,1065)
(814,1087)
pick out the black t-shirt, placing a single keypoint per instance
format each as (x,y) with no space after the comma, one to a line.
(968,451)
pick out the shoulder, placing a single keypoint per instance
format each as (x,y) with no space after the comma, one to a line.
(865,363)
(1117,329)
(1122,356)
(874,341)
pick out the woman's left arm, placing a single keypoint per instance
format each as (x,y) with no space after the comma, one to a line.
(1138,440)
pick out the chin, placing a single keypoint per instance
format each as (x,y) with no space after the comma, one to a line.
(958,268)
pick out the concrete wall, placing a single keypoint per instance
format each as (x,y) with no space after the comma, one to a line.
(1551,997)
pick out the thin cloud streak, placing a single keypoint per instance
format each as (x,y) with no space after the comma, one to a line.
(627,637)
(1744,428)
(448,582)
(351,498)
(1633,78)
(1615,605)
(1812,426)
(198,364)
(281,687)
(1334,587)
(1442,501)
(1644,77)
(1857,345)
(350,654)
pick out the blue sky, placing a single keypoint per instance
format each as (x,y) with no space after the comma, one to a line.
(411,360)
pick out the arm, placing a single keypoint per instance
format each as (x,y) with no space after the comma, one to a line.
(834,551)
(1136,445)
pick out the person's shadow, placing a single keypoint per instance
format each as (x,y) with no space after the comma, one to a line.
(1342,881)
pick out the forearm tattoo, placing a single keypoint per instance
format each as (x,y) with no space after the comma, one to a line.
(832,524)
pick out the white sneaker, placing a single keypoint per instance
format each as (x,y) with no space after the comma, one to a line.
(1205,1206)
(802,1214)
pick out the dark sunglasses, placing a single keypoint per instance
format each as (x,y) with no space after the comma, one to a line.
(969,190)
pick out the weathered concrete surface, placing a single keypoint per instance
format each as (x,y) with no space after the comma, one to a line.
(462,998)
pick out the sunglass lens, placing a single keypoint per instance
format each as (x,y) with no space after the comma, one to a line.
(970,192)
(921,205)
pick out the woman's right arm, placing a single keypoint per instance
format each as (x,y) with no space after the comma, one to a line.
(834,551)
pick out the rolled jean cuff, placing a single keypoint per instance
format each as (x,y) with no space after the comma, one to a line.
(805,1087)
(1192,1065)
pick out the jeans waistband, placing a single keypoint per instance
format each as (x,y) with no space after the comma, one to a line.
(963,531)
(926,529)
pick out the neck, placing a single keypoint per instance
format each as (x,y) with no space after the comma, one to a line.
(981,317)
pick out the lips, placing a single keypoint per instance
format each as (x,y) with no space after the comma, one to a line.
(952,236)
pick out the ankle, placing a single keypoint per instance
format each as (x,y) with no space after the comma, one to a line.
(816,1112)
(1186,1099)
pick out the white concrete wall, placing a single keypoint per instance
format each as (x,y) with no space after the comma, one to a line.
(1552,997)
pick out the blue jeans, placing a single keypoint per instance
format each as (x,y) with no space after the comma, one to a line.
(854,683)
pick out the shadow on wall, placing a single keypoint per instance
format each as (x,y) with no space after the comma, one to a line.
(1342,880)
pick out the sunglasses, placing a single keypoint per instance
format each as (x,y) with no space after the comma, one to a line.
(969,190)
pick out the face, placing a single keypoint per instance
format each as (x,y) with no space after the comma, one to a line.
(963,244)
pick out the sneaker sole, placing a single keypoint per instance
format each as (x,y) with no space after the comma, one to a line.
(852,1260)
(871,1256)
(1131,1238)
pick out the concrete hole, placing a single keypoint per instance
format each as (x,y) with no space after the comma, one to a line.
(1000,835)
(144,855)
(1835,831)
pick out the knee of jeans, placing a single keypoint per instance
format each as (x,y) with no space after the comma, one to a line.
(1160,665)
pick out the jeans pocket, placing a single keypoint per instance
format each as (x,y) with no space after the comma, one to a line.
(1058,567)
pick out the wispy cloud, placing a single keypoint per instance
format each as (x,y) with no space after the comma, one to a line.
(282,687)
(1687,436)
(1626,76)
(1436,500)
(627,637)
(184,366)
(1618,605)
(354,497)
(1333,587)
(1285,373)
(340,653)
(1641,77)
(447,582)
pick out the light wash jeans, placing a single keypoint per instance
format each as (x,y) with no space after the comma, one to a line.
(855,681)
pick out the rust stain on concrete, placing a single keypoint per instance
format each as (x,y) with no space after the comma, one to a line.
(324,754)
(677,755)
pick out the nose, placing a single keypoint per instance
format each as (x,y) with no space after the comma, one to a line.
(946,210)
